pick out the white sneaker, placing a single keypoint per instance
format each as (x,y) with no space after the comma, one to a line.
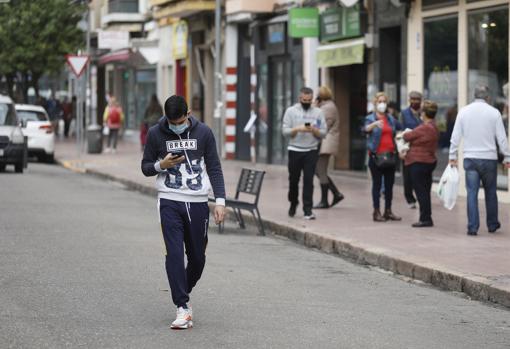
(107,150)
(309,216)
(183,319)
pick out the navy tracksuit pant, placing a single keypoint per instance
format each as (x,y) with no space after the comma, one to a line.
(184,227)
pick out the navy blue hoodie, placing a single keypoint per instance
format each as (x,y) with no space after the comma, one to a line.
(191,180)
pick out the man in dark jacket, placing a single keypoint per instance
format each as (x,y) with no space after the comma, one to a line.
(410,120)
(181,151)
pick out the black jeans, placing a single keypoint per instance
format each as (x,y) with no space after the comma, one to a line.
(422,182)
(389,179)
(408,185)
(302,162)
(112,138)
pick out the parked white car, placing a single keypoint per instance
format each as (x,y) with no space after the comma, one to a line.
(37,127)
(13,145)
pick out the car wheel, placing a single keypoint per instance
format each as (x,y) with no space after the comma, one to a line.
(18,168)
(49,158)
(2,167)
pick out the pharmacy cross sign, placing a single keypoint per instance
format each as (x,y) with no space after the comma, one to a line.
(77,63)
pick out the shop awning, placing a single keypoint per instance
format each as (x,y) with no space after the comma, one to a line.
(185,8)
(116,56)
(345,52)
(151,54)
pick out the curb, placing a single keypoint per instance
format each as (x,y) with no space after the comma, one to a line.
(477,288)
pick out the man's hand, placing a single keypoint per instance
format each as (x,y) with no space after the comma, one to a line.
(453,163)
(219,214)
(170,161)
(316,132)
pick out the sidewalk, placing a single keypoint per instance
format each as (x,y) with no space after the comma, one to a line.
(443,255)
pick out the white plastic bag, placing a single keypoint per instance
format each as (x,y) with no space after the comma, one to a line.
(402,145)
(448,187)
(106,131)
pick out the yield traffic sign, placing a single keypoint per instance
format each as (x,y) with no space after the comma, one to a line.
(77,63)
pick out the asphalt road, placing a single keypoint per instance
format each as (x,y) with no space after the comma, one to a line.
(82,266)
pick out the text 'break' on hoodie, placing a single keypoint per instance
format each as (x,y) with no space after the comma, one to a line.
(192,179)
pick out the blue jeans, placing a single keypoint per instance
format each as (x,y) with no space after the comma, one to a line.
(486,171)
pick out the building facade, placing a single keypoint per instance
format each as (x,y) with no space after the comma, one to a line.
(453,45)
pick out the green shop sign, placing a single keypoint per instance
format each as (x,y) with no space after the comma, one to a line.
(304,22)
(340,23)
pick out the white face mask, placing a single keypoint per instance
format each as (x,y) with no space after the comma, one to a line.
(381,107)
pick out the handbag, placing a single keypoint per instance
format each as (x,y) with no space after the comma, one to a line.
(385,160)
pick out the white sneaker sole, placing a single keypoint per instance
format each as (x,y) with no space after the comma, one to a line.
(189,324)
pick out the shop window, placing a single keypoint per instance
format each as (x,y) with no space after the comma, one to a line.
(440,77)
(262,113)
(488,61)
(428,4)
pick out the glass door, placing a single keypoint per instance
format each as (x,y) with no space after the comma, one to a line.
(488,62)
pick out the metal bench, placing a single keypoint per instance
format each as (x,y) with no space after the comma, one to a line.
(250,182)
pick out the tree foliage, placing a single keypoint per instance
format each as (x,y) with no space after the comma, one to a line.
(35,36)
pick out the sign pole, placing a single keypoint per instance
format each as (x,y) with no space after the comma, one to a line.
(217,79)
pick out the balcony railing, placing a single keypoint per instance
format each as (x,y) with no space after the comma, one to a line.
(122,6)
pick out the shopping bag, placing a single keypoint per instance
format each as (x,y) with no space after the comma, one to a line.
(106,131)
(402,145)
(448,187)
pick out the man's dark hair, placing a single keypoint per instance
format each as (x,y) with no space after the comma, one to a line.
(175,107)
(306,91)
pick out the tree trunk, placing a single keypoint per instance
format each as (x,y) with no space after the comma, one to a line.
(10,85)
(24,86)
(35,84)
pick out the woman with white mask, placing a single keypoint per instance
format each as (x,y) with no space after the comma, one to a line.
(380,128)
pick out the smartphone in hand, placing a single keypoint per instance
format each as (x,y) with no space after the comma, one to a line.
(307,124)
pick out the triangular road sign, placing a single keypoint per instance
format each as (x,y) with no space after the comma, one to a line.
(77,63)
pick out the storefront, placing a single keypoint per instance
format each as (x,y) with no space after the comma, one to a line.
(453,45)
(341,57)
(279,66)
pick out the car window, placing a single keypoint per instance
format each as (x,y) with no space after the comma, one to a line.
(7,115)
(31,115)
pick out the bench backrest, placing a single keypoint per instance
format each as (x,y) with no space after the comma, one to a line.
(250,182)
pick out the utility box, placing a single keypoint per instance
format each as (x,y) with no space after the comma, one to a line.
(94,139)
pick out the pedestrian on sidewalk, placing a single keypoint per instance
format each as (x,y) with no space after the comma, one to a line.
(411,118)
(305,125)
(481,127)
(421,160)
(329,146)
(181,151)
(152,114)
(382,159)
(113,117)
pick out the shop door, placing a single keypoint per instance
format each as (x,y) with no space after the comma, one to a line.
(390,63)
(280,98)
(145,88)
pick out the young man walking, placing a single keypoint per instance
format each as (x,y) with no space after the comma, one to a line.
(181,151)
(305,125)
(481,127)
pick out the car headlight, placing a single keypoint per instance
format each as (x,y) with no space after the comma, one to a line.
(17,136)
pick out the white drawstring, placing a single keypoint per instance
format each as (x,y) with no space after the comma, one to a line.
(187,204)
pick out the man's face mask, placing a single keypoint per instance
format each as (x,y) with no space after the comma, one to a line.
(306,101)
(179,128)
(416,103)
